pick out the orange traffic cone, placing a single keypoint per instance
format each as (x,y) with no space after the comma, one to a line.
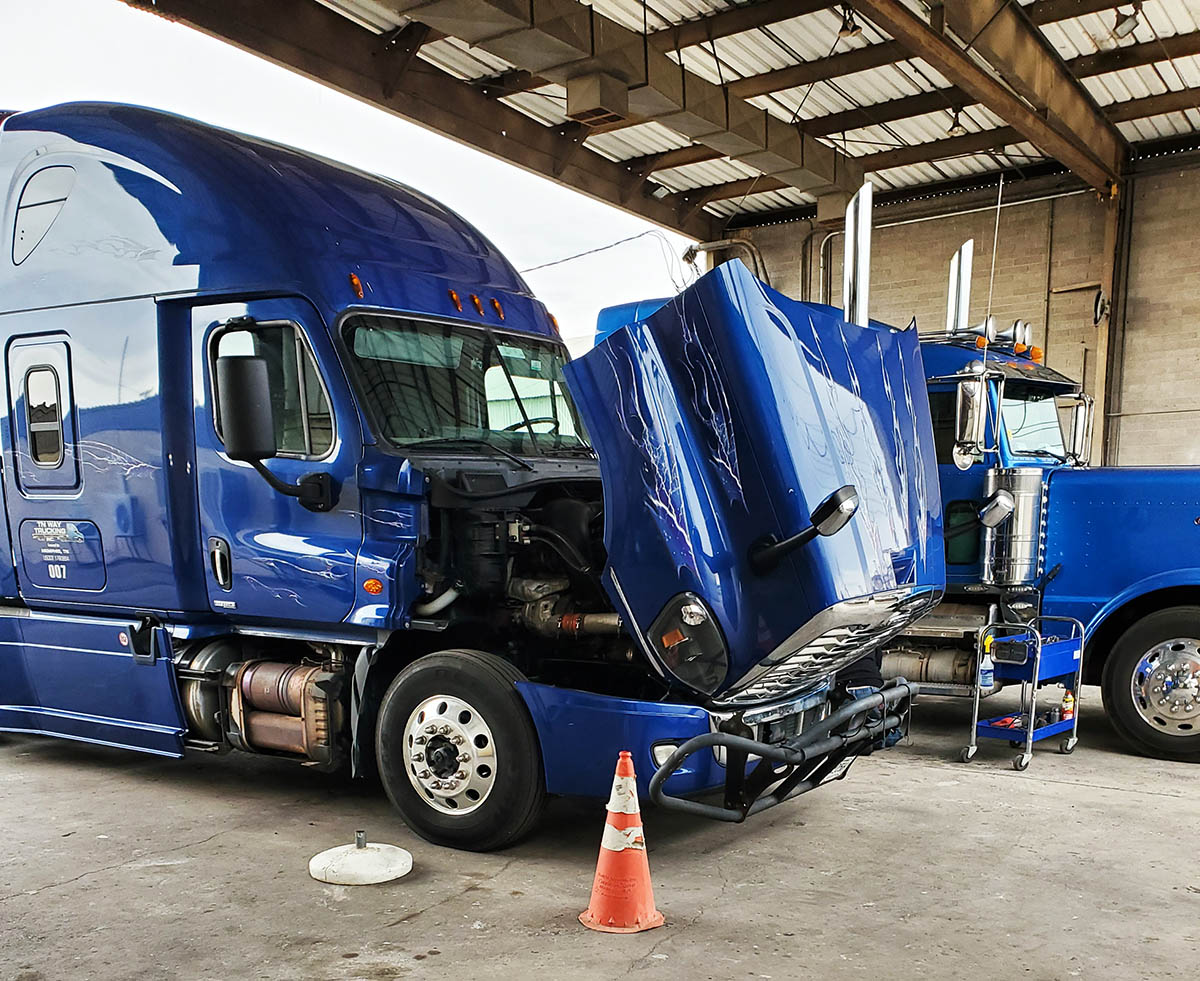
(622,897)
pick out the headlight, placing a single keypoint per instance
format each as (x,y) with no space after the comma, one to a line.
(689,643)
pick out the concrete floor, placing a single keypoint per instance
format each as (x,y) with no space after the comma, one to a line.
(119,866)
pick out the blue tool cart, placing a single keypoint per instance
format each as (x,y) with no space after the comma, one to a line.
(1044,651)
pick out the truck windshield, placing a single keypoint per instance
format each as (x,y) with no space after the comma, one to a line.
(438,383)
(1032,423)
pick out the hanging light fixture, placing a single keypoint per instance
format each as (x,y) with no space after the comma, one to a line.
(956,127)
(849,26)
(1126,23)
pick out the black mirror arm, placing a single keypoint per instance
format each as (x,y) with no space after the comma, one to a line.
(768,551)
(314,491)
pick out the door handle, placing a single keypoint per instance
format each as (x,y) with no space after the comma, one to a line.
(222,566)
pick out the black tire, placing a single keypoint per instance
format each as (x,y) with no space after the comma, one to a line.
(1020,764)
(514,803)
(1117,680)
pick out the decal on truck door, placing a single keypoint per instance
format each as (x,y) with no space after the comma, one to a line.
(62,554)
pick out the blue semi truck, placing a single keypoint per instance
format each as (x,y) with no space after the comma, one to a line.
(294,464)
(1116,548)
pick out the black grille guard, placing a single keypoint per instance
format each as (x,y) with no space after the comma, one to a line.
(809,758)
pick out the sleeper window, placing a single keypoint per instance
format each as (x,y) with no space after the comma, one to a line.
(43,408)
(303,421)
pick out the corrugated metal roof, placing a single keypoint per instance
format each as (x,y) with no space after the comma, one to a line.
(813,37)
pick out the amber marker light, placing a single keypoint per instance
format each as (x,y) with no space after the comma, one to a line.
(499,309)
(477,304)
(981,342)
(554,324)
(1036,353)
(1020,348)
(373,586)
(356,285)
(673,638)
(455,300)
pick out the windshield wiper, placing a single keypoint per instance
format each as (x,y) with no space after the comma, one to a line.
(1050,453)
(472,441)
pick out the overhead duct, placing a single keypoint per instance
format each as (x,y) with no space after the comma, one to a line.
(569,43)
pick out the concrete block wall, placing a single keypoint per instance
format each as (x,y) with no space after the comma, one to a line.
(1159,409)
(1049,262)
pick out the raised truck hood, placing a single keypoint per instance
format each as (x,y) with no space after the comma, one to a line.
(727,415)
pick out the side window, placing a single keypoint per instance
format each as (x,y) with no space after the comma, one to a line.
(44,415)
(943,408)
(303,420)
(962,549)
(42,199)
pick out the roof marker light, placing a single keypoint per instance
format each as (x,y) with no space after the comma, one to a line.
(356,285)
(981,342)
(1036,353)
(499,309)
(554,324)
(455,300)
(477,303)
(1020,348)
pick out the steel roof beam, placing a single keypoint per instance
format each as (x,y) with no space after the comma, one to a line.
(889,52)
(982,142)
(1065,122)
(320,44)
(1088,145)
(1084,66)
(735,20)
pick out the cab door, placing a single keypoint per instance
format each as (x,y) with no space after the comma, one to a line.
(267,556)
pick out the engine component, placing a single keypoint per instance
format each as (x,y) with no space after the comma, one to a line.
(286,708)
(549,618)
(200,688)
(935,665)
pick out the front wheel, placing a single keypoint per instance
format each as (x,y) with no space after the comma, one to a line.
(1151,684)
(458,754)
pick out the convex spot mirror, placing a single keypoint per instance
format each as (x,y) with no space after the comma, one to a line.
(970,422)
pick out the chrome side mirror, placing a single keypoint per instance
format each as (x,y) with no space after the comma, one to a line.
(997,509)
(970,422)
(1082,416)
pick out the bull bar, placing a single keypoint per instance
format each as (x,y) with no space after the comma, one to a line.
(812,757)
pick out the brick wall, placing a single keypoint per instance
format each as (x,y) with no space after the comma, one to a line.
(1048,265)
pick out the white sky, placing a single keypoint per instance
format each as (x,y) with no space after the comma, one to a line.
(102,50)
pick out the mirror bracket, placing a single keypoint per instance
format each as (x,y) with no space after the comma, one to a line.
(314,490)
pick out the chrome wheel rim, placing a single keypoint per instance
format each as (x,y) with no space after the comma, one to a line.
(451,756)
(1166,687)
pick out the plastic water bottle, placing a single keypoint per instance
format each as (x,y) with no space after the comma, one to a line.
(987,672)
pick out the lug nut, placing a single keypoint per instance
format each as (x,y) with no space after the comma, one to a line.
(464,757)
(461,774)
(457,740)
(420,740)
(444,730)
(431,729)
(423,775)
(418,757)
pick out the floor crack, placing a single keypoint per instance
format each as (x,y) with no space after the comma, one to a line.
(110,868)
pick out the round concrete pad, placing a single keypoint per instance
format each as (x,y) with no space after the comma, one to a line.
(350,865)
